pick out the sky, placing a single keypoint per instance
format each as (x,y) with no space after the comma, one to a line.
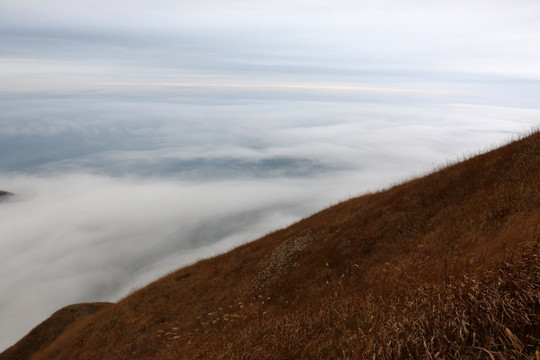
(140,136)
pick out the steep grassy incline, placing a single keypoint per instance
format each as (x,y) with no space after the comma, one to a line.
(46,333)
(441,265)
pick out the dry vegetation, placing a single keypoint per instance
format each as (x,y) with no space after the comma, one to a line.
(440,267)
(495,316)
(48,331)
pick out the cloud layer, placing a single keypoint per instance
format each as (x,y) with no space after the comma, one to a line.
(92,227)
(79,237)
(366,42)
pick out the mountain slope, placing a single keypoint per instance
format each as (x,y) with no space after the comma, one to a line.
(354,280)
(48,331)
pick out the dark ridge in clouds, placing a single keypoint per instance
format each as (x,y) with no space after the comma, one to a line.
(200,168)
(144,135)
(4,195)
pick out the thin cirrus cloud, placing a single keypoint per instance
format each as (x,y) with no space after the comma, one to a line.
(203,39)
(141,136)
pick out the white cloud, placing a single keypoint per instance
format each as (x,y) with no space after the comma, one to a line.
(174,40)
(86,238)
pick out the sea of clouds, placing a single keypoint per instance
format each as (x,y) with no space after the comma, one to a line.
(105,206)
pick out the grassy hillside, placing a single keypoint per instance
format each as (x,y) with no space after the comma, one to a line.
(48,331)
(443,266)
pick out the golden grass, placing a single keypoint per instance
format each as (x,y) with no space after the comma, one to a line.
(47,332)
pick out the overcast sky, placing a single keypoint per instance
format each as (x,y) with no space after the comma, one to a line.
(142,135)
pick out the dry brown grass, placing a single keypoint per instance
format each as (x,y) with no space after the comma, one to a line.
(436,267)
(47,332)
(495,315)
